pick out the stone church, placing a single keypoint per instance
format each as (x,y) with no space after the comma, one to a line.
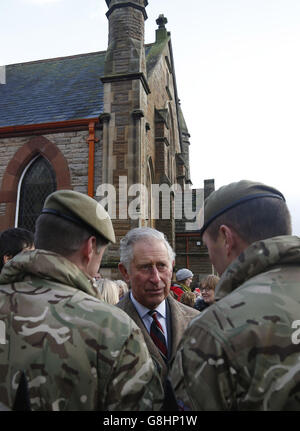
(108,124)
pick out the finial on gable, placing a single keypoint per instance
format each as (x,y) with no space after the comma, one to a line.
(161,32)
(161,21)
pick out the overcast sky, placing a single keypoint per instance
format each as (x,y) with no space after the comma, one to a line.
(237,70)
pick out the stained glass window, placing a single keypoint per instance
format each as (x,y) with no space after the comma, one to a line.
(38,182)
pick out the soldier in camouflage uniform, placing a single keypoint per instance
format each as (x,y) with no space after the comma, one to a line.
(242,353)
(66,349)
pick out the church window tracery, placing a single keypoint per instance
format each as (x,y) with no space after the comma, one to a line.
(36,183)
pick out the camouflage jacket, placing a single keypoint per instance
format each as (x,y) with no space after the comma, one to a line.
(76,352)
(243,352)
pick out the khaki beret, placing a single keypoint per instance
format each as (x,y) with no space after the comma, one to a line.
(232,195)
(80,209)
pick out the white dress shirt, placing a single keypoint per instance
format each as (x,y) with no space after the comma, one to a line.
(147,320)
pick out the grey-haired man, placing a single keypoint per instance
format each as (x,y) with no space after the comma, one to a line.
(146,263)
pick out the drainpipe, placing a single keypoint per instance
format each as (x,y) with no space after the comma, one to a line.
(106,151)
(138,160)
(91,170)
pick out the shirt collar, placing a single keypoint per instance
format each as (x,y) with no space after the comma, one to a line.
(142,310)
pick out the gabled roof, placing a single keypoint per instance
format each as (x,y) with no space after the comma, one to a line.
(153,52)
(52,90)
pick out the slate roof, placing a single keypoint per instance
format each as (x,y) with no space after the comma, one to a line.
(53,90)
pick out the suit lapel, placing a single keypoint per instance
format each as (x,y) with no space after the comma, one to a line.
(131,311)
(177,324)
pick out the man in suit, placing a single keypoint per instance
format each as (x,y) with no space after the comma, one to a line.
(146,263)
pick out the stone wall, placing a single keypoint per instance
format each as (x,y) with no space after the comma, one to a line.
(72,148)
(163,133)
(8,147)
(162,97)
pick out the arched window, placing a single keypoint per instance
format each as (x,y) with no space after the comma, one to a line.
(36,183)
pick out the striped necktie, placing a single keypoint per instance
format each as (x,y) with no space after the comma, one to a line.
(157,335)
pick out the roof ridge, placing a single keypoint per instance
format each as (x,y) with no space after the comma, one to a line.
(66,56)
(46,60)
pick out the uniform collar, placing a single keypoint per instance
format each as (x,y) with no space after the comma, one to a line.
(47,265)
(258,258)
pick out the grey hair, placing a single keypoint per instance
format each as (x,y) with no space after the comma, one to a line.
(139,234)
(122,284)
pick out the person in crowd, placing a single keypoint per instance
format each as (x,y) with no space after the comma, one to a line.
(188,298)
(184,278)
(71,351)
(207,289)
(13,241)
(244,349)
(197,291)
(123,288)
(97,276)
(146,262)
(108,291)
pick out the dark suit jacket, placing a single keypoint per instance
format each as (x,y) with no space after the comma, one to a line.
(178,317)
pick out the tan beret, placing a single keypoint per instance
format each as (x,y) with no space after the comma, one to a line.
(80,209)
(232,195)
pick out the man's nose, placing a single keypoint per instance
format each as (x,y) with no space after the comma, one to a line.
(155,277)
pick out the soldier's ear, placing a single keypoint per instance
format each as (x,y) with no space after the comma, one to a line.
(88,247)
(228,238)
(124,272)
(232,243)
(6,258)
